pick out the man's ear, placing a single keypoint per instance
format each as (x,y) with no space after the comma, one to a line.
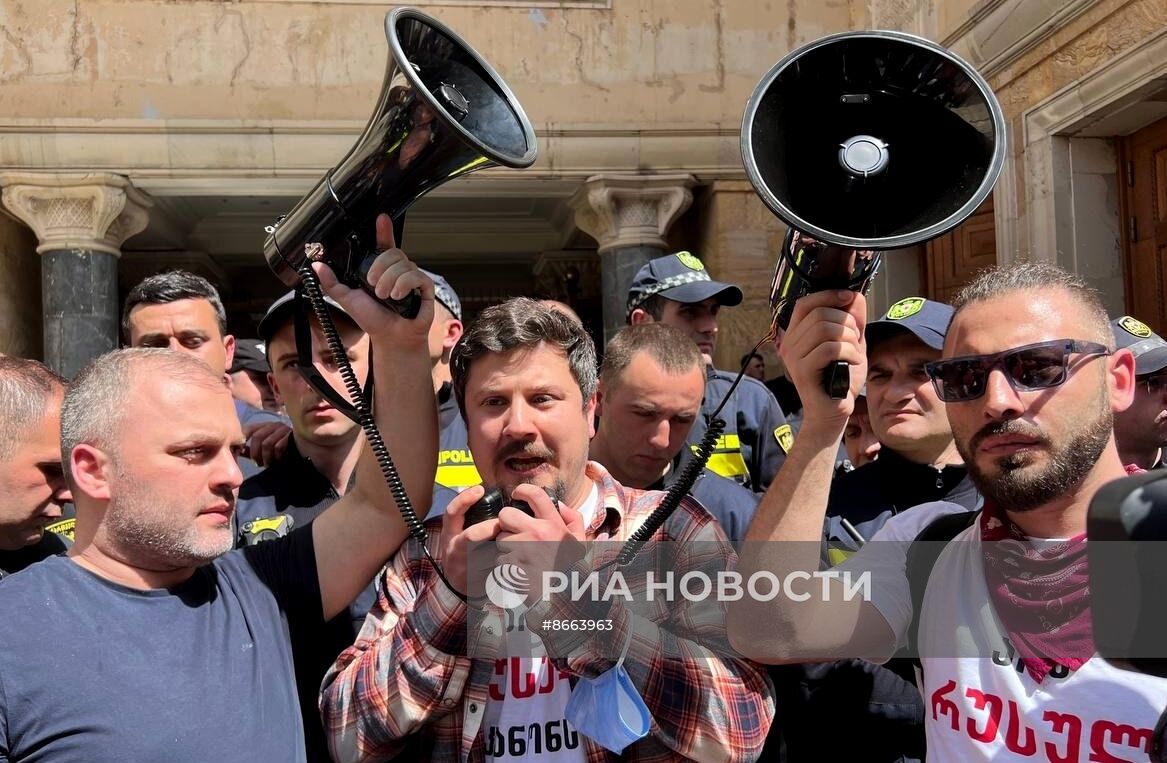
(639,316)
(275,387)
(92,469)
(599,398)
(229,348)
(454,330)
(590,412)
(1121,367)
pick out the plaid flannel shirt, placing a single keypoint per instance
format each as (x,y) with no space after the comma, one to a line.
(406,683)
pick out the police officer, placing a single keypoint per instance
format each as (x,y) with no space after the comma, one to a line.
(676,290)
(1141,430)
(456,470)
(312,473)
(918,462)
(651,384)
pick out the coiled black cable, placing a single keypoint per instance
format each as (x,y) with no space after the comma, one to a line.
(310,288)
(673,495)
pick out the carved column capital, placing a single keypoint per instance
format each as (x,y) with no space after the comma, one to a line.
(631,210)
(94,211)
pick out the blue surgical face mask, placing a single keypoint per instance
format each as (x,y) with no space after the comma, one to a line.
(608,709)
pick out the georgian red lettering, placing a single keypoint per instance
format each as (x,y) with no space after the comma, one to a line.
(549,674)
(995,705)
(941,705)
(522,681)
(1016,730)
(500,670)
(1071,726)
(1103,732)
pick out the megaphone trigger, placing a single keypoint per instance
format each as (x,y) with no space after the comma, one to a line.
(837,379)
(407,308)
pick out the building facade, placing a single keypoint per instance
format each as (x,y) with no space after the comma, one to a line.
(142,135)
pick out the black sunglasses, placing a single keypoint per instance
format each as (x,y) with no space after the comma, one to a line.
(1034,366)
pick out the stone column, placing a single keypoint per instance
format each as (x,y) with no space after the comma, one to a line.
(629,216)
(81,221)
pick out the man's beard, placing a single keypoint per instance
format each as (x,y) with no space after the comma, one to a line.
(1019,487)
(557,492)
(141,528)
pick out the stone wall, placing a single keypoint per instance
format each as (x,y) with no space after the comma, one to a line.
(639,62)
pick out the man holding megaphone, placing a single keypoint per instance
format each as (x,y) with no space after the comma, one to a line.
(1000,620)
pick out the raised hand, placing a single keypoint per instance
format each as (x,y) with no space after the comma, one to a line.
(392,276)
(826,326)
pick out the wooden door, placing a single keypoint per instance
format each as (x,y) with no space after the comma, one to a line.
(952,260)
(1143,206)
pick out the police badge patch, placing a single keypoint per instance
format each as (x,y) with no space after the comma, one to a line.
(689,261)
(905,308)
(63,527)
(1134,327)
(785,437)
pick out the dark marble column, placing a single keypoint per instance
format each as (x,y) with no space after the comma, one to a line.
(79,292)
(81,221)
(628,215)
(618,267)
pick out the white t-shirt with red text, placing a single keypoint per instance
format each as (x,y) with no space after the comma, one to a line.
(980,705)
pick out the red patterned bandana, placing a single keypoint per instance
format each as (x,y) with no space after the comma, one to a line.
(1041,596)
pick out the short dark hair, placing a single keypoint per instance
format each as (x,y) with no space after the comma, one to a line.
(523,322)
(750,356)
(25,389)
(172,286)
(1034,276)
(654,306)
(671,348)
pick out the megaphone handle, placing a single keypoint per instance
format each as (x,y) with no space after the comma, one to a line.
(837,379)
(407,308)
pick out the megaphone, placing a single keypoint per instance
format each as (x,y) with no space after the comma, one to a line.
(862,142)
(443,112)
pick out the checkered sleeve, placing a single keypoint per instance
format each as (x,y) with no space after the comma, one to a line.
(707,702)
(406,670)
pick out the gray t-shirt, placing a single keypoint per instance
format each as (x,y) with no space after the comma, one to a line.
(94,672)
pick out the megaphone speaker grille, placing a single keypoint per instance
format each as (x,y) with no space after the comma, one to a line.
(873,140)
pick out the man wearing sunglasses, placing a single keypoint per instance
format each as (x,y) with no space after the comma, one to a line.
(1141,430)
(1008,665)
(918,463)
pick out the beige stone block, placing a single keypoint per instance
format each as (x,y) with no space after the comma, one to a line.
(737,238)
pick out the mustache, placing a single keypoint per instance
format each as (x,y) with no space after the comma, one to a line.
(525,450)
(1013,426)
